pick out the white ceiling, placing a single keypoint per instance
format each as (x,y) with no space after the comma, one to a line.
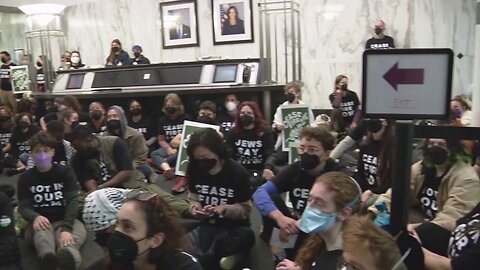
(17,3)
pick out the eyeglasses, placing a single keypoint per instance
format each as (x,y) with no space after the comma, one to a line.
(140,195)
(344,265)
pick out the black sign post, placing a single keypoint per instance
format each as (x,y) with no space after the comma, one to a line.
(405,84)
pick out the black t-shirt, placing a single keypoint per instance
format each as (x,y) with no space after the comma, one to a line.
(5,135)
(20,142)
(249,149)
(368,165)
(180,261)
(227,122)
(46,190)
(428,194)
(348,105)
(297,182)
(143,126)
(229,186)
(60,156)
(97,131)
(326,260)
(380,43)
(170,127)
(464,242)
(50,117)
(96,169)
(5,72)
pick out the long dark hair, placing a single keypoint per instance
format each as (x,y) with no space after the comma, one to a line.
(260,123)
(208,138)
(385,156)
(112,56)
(159,218)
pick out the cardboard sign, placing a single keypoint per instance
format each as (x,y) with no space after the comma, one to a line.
(295,118)
(189,127)
(20,79)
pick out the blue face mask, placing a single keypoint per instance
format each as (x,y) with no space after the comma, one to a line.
(315,221)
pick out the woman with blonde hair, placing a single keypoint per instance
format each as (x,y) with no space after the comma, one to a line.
(169,125)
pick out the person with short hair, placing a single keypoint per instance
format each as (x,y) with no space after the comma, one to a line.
(139,230)
(365,246)
(296,179)
(293,95)
(63,149)
(227,118)
(138,58)
(380,40)
(47,195)
(332,200)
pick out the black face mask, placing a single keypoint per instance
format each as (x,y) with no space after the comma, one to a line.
(102,238)
(205,164)
(23,124)
(344,87)
(136,111)
(309,162)
(437,154)
(289,97)
(136,54)
(113,125)
(96,115)
(4,118)
(170,110)
(115,49)
(4,60)
(122,248)
(374,125)
(378,30)
(74,124)
(246,120)
(88,153)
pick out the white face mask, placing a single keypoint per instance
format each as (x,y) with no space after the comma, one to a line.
(75,59)
(231,106)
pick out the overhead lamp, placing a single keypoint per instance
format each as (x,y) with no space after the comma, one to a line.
(37,9)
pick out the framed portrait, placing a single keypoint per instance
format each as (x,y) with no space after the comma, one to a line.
(232,21)
(179,24)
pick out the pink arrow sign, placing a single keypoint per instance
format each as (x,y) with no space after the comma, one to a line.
(396,76)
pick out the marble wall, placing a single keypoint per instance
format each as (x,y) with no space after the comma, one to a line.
(333,34)
(333,46)
(12,35)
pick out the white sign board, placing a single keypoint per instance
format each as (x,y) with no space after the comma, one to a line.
(407,83)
